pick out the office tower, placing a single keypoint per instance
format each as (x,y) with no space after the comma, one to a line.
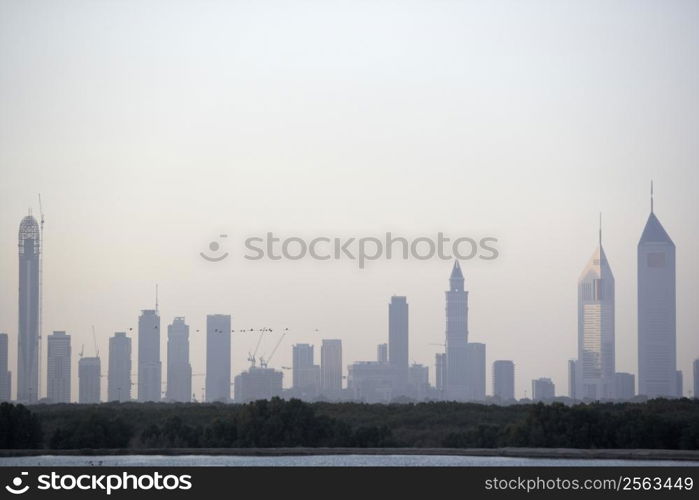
(89,373)
(305,374)
(595,366)
(371,381)
(119,369)
(543,389)
(179,371)
(257,383)
(149,366)
(29,309)
(625,386)
(695,367)
(331,368)
(572,376)
(475,371)
(678,384)
(382,353)
(504,380)
(456,336)
(440,368)
(5,374)
(657,362)
(58,370)
(218,357)
(398,342)
(419,381)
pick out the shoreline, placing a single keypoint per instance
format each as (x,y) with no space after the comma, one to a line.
(561,453)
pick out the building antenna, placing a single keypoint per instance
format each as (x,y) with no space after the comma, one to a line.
(600,229)
(41,290)
(156,297)
(651,196)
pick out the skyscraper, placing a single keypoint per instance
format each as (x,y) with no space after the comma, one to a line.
(29,305)
(119,370)
(657,353)
(5,375)
(456,336)
(179,371)
(504,380)
(305,374)
(595,366)
(440,368)
(89,374)
(331,368)
(149,366)
(475,371)
(398,342)
(218,357)
(58,378)
(695,369)
(543,389)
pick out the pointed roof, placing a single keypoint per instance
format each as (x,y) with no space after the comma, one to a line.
(456,271)
(654,231)
(597,267)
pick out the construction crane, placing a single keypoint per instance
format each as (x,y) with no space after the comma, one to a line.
(94,339)
(263,362)
(82,350)
(252,356)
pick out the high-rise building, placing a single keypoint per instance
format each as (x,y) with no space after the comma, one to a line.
(625,386)
(382,353)
(58,377)
(572,376)
(218,357)
(398,342)
(5,374)
(119,369)
(657,355)
(29,309)
(179,371)
(695,369)
(258,383)
(371,381)
(595,366)
(89,374)
(504,380)
(149,365)
(440,368)
(331,368)
(456,336)
(475,371)
(419,381)
(678,384)
(543,389)
(305,374)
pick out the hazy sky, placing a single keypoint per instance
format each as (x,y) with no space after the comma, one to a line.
(150,127)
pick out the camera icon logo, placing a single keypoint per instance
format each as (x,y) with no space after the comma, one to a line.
(16,487)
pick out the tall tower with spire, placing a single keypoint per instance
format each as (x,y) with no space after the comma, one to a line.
(29,310)
(595,366)
(657,344)
(455,385)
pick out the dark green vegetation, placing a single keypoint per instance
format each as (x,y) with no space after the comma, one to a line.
(657,424)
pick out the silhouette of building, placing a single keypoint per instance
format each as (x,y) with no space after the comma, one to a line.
(475,371)
(382,353)
(440,368)
(398,342)
(305,374)
(179,371)
(456,337)
(5,374)
(504,380)
(595,366)
(218,357)
(695,369)
(679,384)
(119,369)
(419,381)
(29,310)
(58,379)
(149,365)
(543,389)
(331,368)
(371,381)
(572,376)
(625,386)
(258,383)
(89,374)
(657,362)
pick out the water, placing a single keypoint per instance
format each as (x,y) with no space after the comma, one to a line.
(321,461)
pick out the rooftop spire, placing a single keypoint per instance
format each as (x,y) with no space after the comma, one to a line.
(156,297)
(600,229)
(651,196)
